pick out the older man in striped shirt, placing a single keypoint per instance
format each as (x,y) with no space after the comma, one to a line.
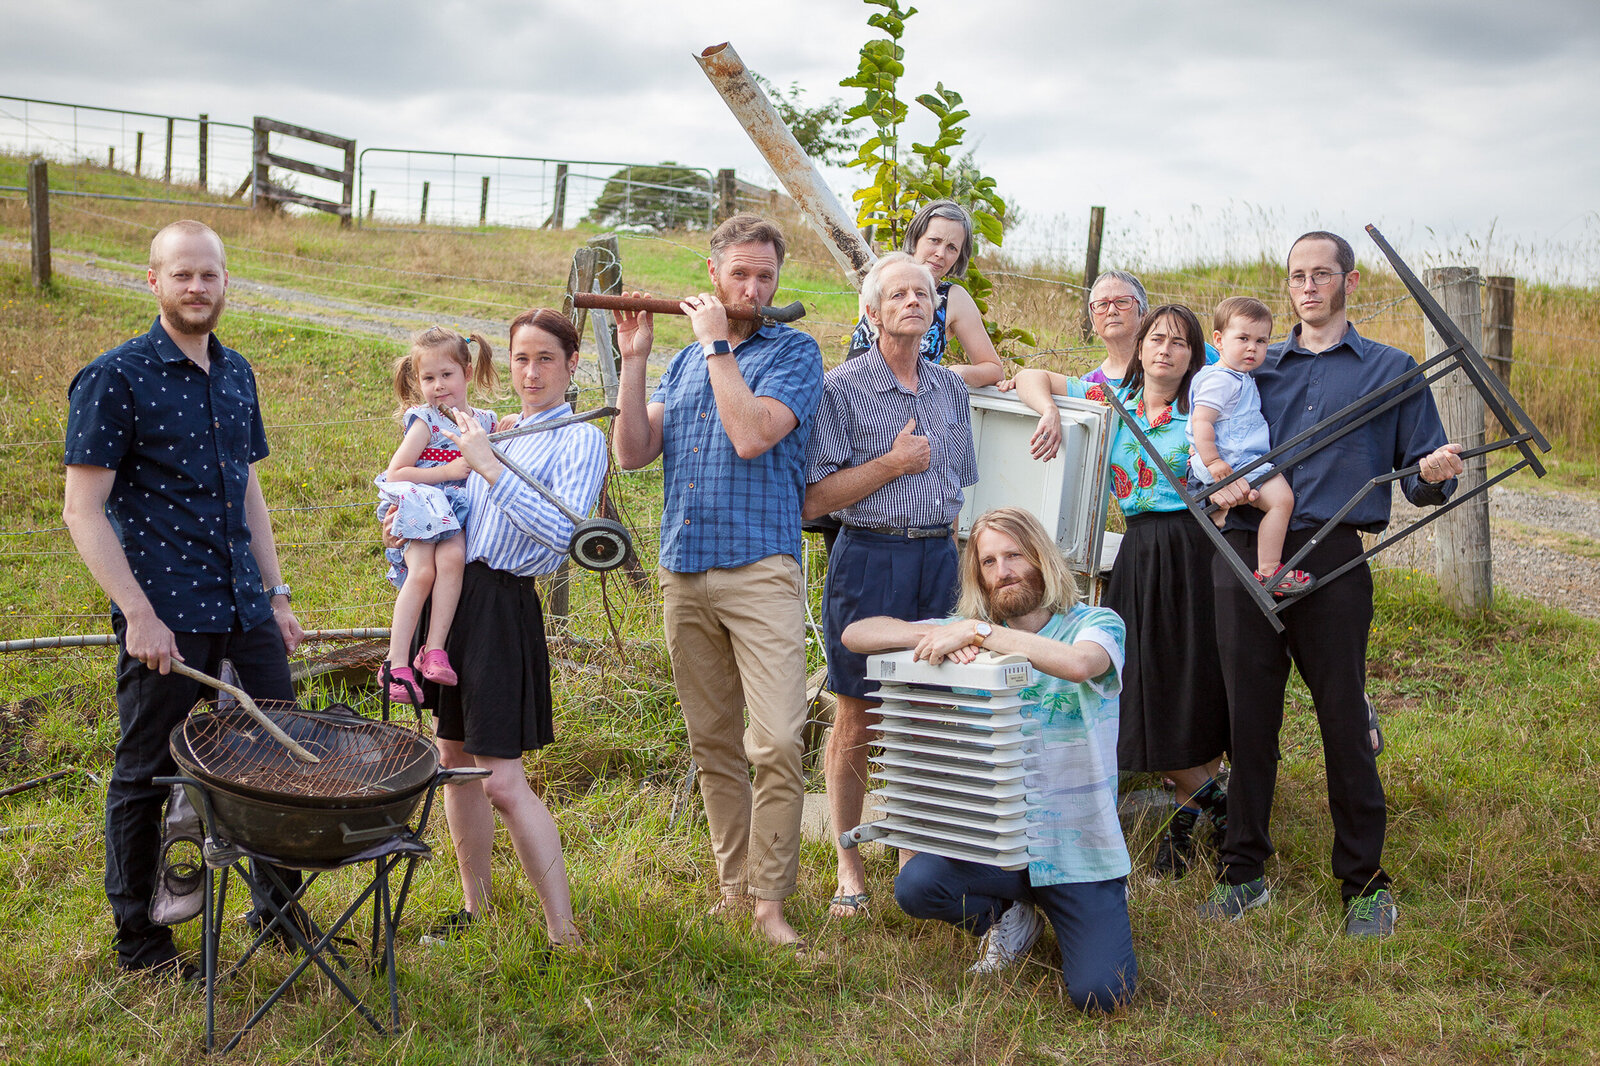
(889,456)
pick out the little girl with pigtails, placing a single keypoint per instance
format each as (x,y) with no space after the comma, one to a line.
(424,486)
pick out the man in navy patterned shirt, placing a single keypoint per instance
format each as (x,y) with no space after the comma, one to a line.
(890,455)
(730,419)
(164,506)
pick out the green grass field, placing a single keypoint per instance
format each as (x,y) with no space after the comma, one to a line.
(1491,724)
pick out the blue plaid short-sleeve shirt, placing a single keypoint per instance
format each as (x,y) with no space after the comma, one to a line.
(723,511)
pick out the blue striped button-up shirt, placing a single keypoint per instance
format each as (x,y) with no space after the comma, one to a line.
(864,407)
(511,527)
(722,511)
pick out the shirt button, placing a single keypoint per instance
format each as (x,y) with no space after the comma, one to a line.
(230,504)
(695,448)
(691,484)
(702,414)
(685,521)
(1310,408)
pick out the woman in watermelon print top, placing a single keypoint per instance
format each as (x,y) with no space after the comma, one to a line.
(1174,706)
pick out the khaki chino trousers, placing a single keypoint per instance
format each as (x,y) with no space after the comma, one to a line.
(737,640)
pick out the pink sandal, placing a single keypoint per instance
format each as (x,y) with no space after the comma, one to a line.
(402,682)
(434,665)
(1290,583)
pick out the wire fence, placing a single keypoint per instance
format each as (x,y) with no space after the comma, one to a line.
(339,528)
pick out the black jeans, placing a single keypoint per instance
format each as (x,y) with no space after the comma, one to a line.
(1325,634)
(149,705)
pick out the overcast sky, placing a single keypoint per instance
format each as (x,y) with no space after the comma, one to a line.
(1230,126)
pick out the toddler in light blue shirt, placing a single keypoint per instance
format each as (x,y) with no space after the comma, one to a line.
(1227,431)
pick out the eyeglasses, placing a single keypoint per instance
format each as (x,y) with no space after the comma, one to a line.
(1122,303)
(1319,278)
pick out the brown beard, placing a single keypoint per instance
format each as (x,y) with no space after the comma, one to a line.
(186,322)
(1021,597)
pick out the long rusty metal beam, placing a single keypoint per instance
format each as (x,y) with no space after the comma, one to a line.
(787,159)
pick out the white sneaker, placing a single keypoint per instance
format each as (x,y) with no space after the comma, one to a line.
(1009,939)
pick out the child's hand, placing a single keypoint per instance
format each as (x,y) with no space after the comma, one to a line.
(457,468)
(1219,468)
(1006,384)
(1046,439)
(507,422)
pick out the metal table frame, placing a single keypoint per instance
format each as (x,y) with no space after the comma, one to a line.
(317,945)
(1459,353)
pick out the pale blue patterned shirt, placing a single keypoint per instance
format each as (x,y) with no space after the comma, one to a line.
(1075,834)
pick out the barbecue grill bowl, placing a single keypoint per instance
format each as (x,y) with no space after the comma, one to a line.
(368,784)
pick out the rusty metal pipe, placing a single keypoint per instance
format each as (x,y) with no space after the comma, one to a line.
(668,306)
(787,159)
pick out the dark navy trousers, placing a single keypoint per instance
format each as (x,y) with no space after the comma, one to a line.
(1090,919)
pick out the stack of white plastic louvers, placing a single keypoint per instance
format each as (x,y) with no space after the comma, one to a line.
(953,774)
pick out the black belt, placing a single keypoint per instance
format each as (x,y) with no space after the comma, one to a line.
(909,533)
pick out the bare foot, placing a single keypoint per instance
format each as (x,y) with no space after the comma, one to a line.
(727,906)
(769,921)
(848,905)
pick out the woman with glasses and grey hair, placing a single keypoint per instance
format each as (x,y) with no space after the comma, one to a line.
(940,238)
(1117,306)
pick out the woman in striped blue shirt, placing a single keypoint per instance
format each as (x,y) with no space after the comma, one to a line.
(502,705)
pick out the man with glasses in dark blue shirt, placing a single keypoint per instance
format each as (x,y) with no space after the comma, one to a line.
(163,504)
(1322,367)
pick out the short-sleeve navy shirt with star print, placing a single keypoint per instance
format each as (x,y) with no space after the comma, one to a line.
(181,441)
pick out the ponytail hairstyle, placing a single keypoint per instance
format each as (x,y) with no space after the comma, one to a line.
(480,371)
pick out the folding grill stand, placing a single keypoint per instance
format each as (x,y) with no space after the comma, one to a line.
(316,944)
(1458,354)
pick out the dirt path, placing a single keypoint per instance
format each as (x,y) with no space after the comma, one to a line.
(1546,542)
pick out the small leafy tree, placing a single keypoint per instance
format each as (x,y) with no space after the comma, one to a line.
(665,196)
(898,187)
(821,131)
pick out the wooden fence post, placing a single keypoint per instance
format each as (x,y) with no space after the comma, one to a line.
(372,202)
(39,221)
(1091,264)
(138,153)
(727,195)
(607,279)
(111,158)
(1462,560)
(424,202)
(558,207)
(1499,315)
(166,171)
(483,203)
(347,194)
(205,137)
(260,150)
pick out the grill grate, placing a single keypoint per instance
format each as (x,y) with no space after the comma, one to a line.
(359,758)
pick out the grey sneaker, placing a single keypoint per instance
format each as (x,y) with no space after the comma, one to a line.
(1371,915)
(1231,901)
(1009,938)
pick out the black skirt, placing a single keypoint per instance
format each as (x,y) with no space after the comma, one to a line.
(502,706)
(1174,706)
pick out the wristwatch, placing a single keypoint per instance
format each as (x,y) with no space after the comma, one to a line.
(721,348)
(983,630)
(280,590)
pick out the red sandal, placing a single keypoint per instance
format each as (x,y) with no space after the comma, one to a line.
(1287,584)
